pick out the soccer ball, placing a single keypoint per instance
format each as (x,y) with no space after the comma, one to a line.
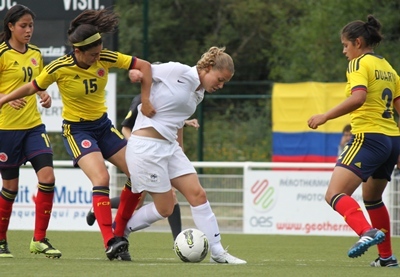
(191,245)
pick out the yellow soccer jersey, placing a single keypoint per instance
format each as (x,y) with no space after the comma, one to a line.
(17,69)
(376,76)
(82,90)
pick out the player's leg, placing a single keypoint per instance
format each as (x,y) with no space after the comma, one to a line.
(372,150)
(81,143)
(184,178)
(372,195)
(43,166)
(128,199)
(160,208)
(91,217)
(12,157)
(174,219)
(378,213)
(95,169)
(8,194)
(203,216)
(148,161)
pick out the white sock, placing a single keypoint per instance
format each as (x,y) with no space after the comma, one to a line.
(206,222)
(142,218)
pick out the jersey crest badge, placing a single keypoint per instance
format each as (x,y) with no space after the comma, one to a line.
(86,143)
(3,157)
(34,62)
(101,72)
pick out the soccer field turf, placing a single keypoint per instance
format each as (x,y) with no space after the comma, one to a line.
(152,254)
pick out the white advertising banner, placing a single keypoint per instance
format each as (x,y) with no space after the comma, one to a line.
(52,116)
(292,202)
(72,200)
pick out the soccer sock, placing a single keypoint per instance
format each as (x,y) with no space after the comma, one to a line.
(380,220)
(142,218)
(127,205)
(43,207)
(206,222)
(7,198)
(102,210)
(175,221)
(351,212)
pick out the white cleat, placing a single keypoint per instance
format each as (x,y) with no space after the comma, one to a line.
(226,258)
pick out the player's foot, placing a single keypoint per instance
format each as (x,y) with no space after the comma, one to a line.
(116,246)
(226,258)
(124,255)
(90,217)
(388,262)
(4,251)
(44,247)
(368,239)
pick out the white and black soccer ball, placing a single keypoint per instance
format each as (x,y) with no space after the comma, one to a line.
(191,245)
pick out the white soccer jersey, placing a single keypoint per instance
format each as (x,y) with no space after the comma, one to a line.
(173,96)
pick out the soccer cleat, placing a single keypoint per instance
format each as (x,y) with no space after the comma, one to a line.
(4,251)
(115,247)
(368,239)
(226,258)
(124,255)
(90,217)
(44,247)
(388,262)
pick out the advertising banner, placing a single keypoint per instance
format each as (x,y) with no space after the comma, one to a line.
(292,202)
(72,200)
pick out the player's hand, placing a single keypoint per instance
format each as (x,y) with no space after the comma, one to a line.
(193,123)
(148,109)
(135,75)
(316,120)
(18,103)
(45,100)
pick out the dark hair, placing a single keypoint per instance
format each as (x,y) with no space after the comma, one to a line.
(90,22)
(369,31)
(12,16)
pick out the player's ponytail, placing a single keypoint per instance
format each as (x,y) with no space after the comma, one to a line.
(370,31)
(86,29)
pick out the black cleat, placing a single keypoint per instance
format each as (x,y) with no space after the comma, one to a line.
(116,246)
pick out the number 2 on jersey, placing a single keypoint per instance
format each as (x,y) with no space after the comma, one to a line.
(387,96)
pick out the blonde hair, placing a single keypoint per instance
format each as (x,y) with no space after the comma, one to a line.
(217,59)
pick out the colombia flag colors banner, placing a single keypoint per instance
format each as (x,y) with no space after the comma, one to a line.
(292,106)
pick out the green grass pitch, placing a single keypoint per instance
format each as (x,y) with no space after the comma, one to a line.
(267,255)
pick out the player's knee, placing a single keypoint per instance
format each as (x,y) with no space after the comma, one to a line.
(165,211)
(46,175)
(197,197)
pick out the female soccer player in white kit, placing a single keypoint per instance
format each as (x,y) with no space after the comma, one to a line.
(153,155)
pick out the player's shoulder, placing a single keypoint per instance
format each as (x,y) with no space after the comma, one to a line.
(108,56)
(3,48)
(33,47)
(60,63)
(362,61)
